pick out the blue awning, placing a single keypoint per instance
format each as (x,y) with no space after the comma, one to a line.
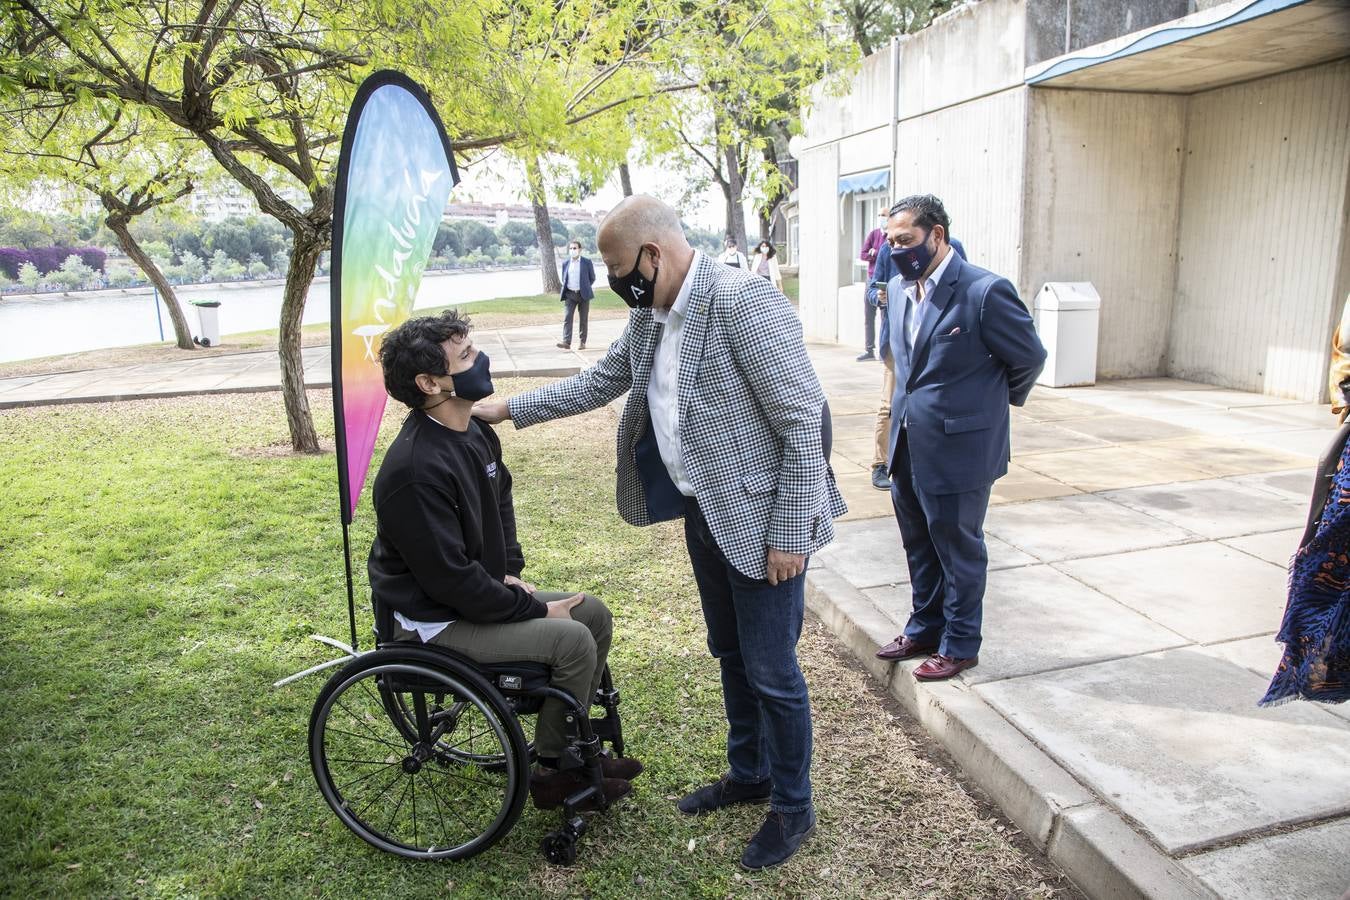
(865,182)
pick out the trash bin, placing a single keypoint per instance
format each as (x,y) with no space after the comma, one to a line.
(1066,318)
(208,317)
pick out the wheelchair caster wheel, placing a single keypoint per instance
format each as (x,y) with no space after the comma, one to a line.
(560,849)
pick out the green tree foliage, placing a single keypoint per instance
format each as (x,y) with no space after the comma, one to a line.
(560,233)
(447,239)
(518,236)
(872,23)
(477,237)
(584,232)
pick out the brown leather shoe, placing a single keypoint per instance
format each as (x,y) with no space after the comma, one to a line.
(938,667)
(903,648)
(624,767)
(548,790)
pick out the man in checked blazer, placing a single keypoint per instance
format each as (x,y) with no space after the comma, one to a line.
(965,349)
(722,427)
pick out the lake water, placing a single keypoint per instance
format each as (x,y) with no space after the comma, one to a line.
(54,324)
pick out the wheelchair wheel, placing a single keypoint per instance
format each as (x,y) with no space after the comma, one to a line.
(416,785)
(399,706)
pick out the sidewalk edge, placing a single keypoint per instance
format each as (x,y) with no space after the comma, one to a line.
(1096,848)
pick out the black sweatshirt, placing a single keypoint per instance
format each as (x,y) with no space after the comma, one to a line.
(445,527)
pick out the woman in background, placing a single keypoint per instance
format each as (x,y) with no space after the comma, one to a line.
(766,266)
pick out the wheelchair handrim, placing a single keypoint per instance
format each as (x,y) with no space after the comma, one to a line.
(514,774)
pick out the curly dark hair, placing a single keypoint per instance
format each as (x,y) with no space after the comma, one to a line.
(773,251)
(414,348)
(927,211)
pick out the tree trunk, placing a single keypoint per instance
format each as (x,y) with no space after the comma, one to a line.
(734,192)
(543,228)
(305,252)
(182,333)
(625,179)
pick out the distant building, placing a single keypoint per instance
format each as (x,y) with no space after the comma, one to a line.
(222,199)
(495,215)
(1189,158)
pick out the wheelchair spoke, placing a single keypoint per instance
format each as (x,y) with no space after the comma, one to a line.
(389,784)
(450,807)
(393,817)
(363,737)
(355,781)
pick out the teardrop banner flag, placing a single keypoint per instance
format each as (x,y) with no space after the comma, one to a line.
(395,173)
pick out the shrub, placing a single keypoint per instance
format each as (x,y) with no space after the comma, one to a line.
(94,258)
(191,268)
(258,269)
(29,276)
(223,268)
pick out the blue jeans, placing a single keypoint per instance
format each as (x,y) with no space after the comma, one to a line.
(753,628)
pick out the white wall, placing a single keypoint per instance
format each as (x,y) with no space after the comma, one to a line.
(970,52)
(971,156)
(1103,183)
(1263,220)
(817,196)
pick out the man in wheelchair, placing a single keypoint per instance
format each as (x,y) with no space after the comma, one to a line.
(446,560)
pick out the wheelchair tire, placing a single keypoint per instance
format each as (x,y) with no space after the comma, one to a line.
(412,787)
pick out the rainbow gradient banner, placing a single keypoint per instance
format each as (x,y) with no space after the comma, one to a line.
(395,173)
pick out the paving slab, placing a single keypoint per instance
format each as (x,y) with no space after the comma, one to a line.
(1041,407)
(1023,484)
(1120,429)
(869,554)
(1176,741)
(1040,437)
(1077,526)
(1311,863)
(1206,592)
(1222,421)
(1109,468)
(1307,443)
(1276,547)
(1295,482)
(1260,656)
(1213,508)
(864,501)
(1221,455)
(1023,605)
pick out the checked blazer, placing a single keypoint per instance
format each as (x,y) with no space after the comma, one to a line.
(749,411)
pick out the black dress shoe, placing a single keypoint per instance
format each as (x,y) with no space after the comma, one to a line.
(866,355)
(723,793)
(778,838)
(904,648)
(880,480)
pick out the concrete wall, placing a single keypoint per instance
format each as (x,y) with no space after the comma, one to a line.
(967,53)
(1103,184)
(1262,233)
(1056,27)
(819,236)
(971,155)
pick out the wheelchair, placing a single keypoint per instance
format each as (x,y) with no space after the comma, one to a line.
(420,751)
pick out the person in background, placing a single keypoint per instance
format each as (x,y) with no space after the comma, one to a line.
(965,349)
(873,246)
(733,257)
(1315,632)
(884,272)
(578,274)
(766,266)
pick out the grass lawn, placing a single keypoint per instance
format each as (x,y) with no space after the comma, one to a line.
(163,561)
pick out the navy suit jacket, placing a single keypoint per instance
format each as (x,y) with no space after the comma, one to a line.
(587,278)
(955,387)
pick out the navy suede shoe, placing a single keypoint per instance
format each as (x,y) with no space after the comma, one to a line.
(778,838)
(724,792)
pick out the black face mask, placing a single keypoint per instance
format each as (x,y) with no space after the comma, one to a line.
(474,383)
(635,289)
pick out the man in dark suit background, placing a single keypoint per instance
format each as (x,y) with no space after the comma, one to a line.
(964,348)
(578,274)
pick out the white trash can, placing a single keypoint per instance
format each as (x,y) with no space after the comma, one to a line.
(208,317)
(1066,318)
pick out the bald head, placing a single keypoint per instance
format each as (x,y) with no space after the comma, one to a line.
(639,220)
(641,223)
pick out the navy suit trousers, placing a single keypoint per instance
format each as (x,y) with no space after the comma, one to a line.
(943,536)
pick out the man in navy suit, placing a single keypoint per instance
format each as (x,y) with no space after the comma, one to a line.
(578,274)
(964,348)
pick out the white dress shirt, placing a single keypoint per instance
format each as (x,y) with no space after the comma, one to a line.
(574,274)
(663,387)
